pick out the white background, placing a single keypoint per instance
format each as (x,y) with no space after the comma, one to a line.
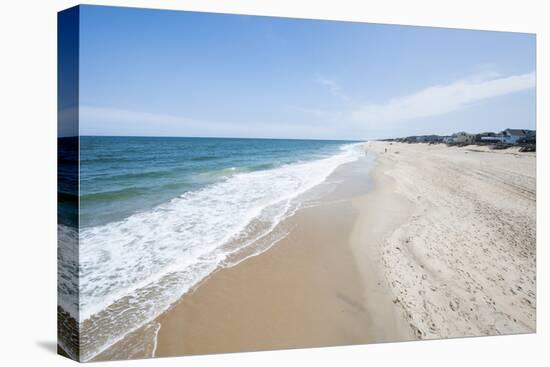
(28,180)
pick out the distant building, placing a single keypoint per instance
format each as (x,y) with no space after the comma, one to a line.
(511,136)
(434,139)
(529,138)
(508,136)
(429,139)
(488,137)
(463,137)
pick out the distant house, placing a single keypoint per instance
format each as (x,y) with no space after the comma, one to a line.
(511,136)
(515,136)
(434,139)
(463,137)
(488,137)
(429,139)
(529,138)
(508,136)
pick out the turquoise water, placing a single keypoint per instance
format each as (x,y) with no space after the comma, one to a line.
(124,175)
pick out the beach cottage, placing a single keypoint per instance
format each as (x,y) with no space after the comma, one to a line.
(463,137)
(514,136)
(509,136)
(488,137)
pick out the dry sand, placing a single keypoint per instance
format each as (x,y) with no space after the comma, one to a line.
(463,264)
(435,242)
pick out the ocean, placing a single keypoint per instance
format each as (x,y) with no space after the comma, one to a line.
(158,215)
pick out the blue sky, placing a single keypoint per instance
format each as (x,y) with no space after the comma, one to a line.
(168,73)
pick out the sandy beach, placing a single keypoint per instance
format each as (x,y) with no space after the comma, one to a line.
(464,263)
(431,242)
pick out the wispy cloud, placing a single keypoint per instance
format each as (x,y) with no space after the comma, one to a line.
(333,87)
(353,119)
(442,99)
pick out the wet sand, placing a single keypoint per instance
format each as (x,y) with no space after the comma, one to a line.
(309,290)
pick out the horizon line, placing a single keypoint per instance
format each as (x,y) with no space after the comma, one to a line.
(208,137)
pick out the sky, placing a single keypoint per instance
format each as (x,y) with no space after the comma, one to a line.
(172,73)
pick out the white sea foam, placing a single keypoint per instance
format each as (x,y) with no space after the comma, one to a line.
(67,269)
(134,269)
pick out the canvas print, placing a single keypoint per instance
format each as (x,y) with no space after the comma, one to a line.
(234,183)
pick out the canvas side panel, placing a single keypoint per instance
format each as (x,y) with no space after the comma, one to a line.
(68,340)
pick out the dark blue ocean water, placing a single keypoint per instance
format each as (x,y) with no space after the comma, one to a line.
(67,178)
(123,175)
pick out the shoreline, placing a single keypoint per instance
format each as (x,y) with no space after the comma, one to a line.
(308,290)
(319,301)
